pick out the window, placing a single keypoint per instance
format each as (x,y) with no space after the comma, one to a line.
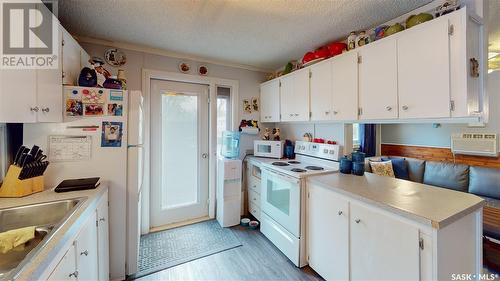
(356,142)
(223,113)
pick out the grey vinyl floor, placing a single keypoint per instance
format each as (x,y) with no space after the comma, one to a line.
(256,259)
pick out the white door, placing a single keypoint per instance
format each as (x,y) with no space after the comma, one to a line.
(321,91)
(270,101)
(294,96)
(179,151)
(382,248)
(86,251)
(419,61)
(378,80)
(103,238)
(345,86)
(328,233)
(66,268)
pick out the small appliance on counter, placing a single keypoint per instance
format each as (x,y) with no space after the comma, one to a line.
(78,184)
(268,148)
(25,175)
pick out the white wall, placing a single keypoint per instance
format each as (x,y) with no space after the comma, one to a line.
(426,135)
(249,81)
(341,133)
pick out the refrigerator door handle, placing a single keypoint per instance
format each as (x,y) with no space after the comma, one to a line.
(134,145)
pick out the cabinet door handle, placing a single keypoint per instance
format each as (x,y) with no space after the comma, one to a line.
(405,107)
(46,110)
(357,220)
(74,274)
(86,253)
(335,112)
(296,114)
(327,112)
(102,219)
(340,213)
(388,108)
(34,109)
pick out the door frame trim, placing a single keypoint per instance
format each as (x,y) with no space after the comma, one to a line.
(213,83)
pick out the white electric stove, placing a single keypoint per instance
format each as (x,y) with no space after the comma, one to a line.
(283,195)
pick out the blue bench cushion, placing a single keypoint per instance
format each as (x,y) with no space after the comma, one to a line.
(416,168)
(447,175)
(400,168)
(485,182)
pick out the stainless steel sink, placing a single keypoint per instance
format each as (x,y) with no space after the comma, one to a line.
(46,217)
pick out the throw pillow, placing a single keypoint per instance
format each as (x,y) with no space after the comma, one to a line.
(400,168)
(382,168)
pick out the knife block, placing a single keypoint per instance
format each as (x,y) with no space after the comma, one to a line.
(12,186)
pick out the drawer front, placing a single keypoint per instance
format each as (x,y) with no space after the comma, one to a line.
(253,197)
(254,209)
(254,184)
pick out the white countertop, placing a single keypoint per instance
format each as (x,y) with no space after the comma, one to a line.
(38,263)
(422,203)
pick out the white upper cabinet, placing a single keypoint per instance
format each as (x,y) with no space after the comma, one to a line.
(345,87)
(49,91)
(382,248)
(424,70)
(18,103)
(294,96)
(378,80)
(270,101)
(72,57)
(321,91)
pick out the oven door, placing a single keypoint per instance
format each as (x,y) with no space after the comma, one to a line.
(280,199)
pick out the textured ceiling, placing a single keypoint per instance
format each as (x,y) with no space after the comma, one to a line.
(260,33)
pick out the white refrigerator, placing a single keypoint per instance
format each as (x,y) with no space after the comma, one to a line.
(118,164)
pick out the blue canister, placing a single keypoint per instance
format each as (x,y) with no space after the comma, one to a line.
(358,168)
(345,165)
(358,156)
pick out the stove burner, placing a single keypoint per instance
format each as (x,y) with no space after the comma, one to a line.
(280,164)
(314,168)
(297,170)
(294,162)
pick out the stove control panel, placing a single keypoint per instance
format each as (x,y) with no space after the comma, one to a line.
(320,150)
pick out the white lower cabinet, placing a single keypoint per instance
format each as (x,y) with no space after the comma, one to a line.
(349,239)
(88,256)
(86,251)
(103,238)
(66,268)
(328,234)
(382,248)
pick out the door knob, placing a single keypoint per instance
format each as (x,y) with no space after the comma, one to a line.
(388,108)
(204,155)
(357,220)
(74,274)
(46,110)
(340,213)
(86,253)
(34,109)
(405,107)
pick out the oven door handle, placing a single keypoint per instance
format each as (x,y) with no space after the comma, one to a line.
(281,176)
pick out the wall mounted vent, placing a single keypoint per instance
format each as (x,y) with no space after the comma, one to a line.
(475,144)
